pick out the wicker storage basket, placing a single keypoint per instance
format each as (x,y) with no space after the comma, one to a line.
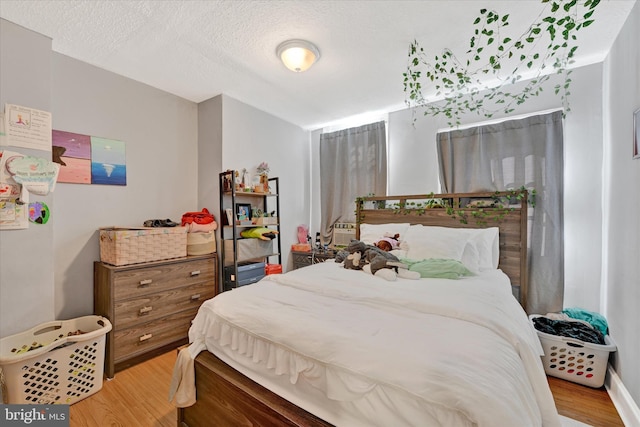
(574,360)
(201,243)
(60,367)
(124,246)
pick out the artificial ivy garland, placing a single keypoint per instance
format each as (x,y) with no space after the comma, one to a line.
(461,82)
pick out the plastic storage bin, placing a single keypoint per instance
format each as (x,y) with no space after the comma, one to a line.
(248,273)
(575,360)
(55,362)
(273,269)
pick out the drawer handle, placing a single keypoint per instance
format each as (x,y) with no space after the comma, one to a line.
(145,283)
(195,273)
(145,310)
(145,337)
(195,297)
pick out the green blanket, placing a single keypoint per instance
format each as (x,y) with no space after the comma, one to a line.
(438,268)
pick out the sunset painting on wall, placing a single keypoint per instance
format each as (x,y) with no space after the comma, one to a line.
(88,159)
(73,152)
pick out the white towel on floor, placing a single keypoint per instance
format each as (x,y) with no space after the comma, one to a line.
(182,391)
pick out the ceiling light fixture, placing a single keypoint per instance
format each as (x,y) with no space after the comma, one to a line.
(297,55)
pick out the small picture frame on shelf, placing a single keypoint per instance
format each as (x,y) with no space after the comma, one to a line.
(229,215)
(243,212)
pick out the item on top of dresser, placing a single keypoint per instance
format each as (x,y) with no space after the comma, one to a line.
(202,221)
(160,223)
(200,243)
(126,245)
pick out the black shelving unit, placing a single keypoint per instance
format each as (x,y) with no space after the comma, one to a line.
(242,267)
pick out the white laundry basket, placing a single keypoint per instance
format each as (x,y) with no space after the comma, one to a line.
(55,362)
(575,360)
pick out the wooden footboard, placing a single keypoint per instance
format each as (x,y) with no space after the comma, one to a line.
(227,398)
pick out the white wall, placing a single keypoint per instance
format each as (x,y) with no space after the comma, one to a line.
(160,135)
(251,136)
(26,261)
(621,203)
(209,154)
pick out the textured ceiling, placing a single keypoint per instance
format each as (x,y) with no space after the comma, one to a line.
(200,49)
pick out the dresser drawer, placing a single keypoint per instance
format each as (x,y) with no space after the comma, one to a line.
(145,337)
(143,281)
(153,306)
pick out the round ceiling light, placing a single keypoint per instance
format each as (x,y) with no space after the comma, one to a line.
(297,55)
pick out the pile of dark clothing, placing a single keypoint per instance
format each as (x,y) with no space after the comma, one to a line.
(570,329)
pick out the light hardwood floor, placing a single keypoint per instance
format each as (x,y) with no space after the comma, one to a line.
(138,397)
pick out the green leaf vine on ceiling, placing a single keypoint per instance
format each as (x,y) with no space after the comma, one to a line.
(460,82)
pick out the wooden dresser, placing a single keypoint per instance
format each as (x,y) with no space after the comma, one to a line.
(150,305)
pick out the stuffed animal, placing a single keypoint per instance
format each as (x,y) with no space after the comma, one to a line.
(354,258)
(388,266)
(388,242)
(360,256)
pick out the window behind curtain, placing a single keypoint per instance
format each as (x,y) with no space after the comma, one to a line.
(508,155)
(353,163)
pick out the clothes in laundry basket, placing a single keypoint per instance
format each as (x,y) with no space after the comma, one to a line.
(569,329)
(594,319)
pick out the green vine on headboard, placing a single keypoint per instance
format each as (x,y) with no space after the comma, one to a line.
(495,208)
(460,82)
(499,207)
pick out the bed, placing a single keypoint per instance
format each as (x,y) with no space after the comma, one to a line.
(323,345)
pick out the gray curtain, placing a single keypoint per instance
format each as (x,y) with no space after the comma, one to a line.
(353,163)
(525,152)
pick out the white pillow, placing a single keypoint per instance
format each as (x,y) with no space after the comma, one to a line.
(435,242)
(471,257)
(371,233)
(481,251)
(486,241)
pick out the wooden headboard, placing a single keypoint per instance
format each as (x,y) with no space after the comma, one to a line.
(505,210)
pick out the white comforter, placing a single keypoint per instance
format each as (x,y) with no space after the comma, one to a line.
(410,352)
